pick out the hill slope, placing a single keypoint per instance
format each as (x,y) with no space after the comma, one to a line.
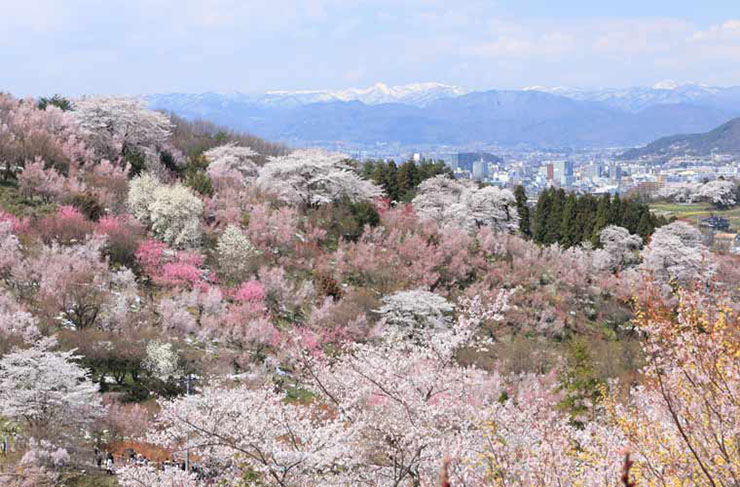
(724,139)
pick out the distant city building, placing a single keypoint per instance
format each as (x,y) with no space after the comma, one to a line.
(550,172)
(563,173)
(615,173)
(480,169)
(465,160)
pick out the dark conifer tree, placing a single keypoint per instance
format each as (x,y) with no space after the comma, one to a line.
(569,224)
(555,220)
(602,218)
(523,210)
(541,216)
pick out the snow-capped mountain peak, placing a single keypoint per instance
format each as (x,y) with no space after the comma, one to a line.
(419,94)
(666,84)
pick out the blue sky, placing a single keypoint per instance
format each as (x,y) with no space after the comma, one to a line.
(145,46)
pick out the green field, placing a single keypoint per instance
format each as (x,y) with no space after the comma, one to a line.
(694,212)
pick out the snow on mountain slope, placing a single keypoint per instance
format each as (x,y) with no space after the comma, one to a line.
(661,93)
(418,94)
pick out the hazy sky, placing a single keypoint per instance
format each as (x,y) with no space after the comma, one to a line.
(145,46)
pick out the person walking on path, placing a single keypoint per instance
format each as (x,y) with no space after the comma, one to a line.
(109,464)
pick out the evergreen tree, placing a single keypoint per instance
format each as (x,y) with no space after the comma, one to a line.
(579,381)
(391,182)
(523,210)
(541,216)
(555,220)
(586,217)
(646,227)
(569,224)
(615,212)
(407,180)
(631,214)
(602,218)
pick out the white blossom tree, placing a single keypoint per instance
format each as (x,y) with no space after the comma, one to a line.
(461,203)
(172,211)
(235,253)
(116,126)
(232,162)
(148,476)
(720,193)
(620,248)
(175,214)
(162,360)
(676,252)
(383,414)
(406,311)
(288,444)
(410,403)
(46,390)
(314,177)
(141,197)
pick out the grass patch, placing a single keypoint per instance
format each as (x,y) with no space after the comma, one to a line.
(12,201)
(88,479)
(693,212)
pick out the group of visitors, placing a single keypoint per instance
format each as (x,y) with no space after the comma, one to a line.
(107,460)
(130,457)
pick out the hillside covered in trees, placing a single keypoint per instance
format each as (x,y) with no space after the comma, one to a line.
(185,306)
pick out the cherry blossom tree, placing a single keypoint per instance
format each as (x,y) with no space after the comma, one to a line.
(258,430)
(676,252)
(231,164)
(46,390)
(118,126)
(28,133)
(14,320)
(141,196)
(175,214)
(462,204)
(682,421)
(620,248)
(719,192)
(313,178)
(384,413)
(406,311)
(148,476)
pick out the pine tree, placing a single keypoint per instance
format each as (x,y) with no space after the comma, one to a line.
(602,218)
(569,224)
(541,216)
(554,222)
(616,212)
(391,182)
(523,210)
(646,227)
(631,214)
(407,180)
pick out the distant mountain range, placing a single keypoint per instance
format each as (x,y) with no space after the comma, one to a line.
(724,139)
(439,114)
